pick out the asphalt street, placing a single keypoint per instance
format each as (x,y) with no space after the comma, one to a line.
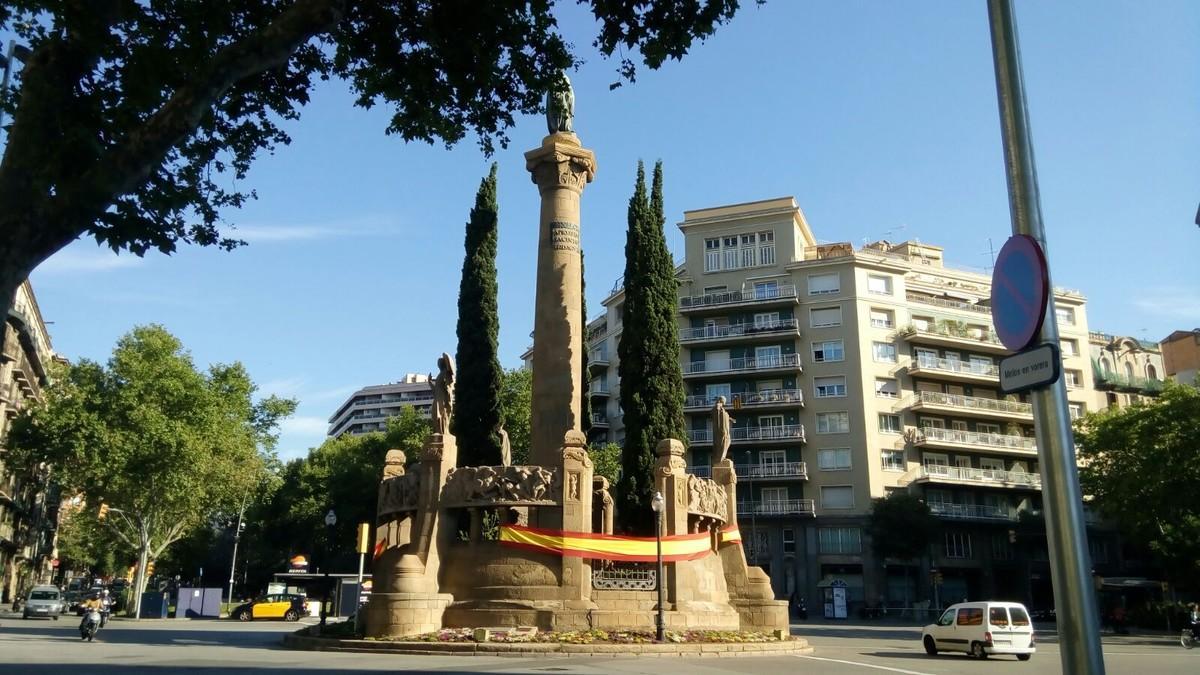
(40,647)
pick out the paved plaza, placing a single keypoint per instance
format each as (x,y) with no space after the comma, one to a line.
(210,647)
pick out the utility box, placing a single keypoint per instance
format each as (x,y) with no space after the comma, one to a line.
(198,603)
(154,605)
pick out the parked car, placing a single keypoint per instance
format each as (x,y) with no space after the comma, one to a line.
(44,601)
(982,629)
(277,606)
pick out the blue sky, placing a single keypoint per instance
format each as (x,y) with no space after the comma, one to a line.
(880,118)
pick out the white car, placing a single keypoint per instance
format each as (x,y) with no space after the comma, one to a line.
(981,629)
(43,601)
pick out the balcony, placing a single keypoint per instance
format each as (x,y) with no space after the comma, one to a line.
(783,294)
(952,439)
(767,398)
(784,507)
(972,406)
(597,357)
(772,471)
(954,334)
(774,434)
(954,370)
(949,304)
(739,332)
(750,364)
(956,475)
(599,421)
(598,390)
(973,511)
(1106,380)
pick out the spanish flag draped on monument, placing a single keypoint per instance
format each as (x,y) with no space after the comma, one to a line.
(606,546)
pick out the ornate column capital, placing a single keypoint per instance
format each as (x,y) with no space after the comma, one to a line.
(561,163)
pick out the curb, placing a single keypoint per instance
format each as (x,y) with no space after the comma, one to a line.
(708,650)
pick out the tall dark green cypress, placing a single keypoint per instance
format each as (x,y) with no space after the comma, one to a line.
(477,414)
(652,391)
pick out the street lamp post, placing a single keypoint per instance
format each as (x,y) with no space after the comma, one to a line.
(15,51)
(237,536)
(330,521)
(659,504)
(753,509)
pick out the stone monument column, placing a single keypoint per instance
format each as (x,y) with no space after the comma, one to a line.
(560,168)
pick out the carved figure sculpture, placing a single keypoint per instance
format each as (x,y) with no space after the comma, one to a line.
(443,394)
(560,107)
(721,430)
(505,449)
(393,463)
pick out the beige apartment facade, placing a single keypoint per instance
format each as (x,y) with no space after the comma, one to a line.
(851,373)
(1181,356)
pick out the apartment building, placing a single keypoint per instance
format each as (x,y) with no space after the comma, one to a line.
(29,498)
(1124,369)
(852,372)
(1181,356)
(368,409)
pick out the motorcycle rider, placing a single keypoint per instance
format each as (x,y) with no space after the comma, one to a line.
(1194,618)
(92,602)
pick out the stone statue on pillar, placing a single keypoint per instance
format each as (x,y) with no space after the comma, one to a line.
(505,449)
(721,430)
(443,395)
(560,106)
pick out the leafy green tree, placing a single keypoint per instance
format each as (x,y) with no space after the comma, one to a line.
(516,401)
(134,122)
(477,414)
(901,527)
(161,443)
(1141,465)
(606,458)
(87,544)
(652,391)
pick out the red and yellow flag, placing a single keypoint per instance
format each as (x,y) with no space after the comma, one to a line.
(606,546)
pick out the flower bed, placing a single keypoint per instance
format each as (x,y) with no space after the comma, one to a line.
(585,637)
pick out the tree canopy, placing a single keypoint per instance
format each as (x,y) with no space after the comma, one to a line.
(1140,465)
(900,526)
(516,404)
(162,443)
(133,122)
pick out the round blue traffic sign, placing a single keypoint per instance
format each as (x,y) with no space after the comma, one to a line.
(1020,288)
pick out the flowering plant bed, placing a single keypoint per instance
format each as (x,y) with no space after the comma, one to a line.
(585,637)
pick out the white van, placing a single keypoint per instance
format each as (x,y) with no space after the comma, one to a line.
(980,629)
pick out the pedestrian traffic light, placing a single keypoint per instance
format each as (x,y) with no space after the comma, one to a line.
(103,511)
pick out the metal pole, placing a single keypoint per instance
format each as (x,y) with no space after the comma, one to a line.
(753,510)
(12,50)
(357,603)
(661,581)
(1078,622)
(325,595)
(237,536)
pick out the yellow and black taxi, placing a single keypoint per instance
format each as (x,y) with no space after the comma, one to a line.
(277,606)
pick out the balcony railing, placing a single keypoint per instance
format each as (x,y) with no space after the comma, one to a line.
(786,432)
(1107,379)
(972,511)
(599,420)
(752,398)
(935,434)
(598,356)
(748,295)
(949,304)
(770,471)
(972,475)
(987,405)
(598,390)
(957,366)
(735,330)
(943,329)
(782,507)
(743,364)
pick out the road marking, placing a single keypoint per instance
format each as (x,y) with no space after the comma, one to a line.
(864,665)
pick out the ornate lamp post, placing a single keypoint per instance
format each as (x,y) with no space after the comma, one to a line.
(330,521)
(658,504)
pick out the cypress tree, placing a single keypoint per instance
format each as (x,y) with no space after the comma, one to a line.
(477,414)
(652,392)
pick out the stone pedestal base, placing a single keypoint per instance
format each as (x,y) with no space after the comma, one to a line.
(401,614)
(762,615)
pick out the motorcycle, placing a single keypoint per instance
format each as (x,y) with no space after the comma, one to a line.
(91,623)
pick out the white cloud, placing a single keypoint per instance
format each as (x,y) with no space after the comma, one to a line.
(285,386)
(75,261)
(304,426)
(259,234)
(1171,302)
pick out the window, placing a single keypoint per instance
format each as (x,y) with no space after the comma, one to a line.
(886,388)
(1076,410)
(991,464)
(1069,347)
(1065,315)
(1002,548)
(1129,370)
(879,285)
(820,284)
(789,540)
(998,616)
(970,616)
(883,352)
(764,290)
(747,250)
(833,459)
(958,545)
(766,248)
(768,357)
(833,423)
(826,317)
(839,540)
(1098,549)
(889,423)
(987,428)
(893,460)
(731,253)
(712,255)
(830,387)
(828,351)
(1151,373)
(837,497)
(766,320)
(882,318)
(1074,378)
(774,495)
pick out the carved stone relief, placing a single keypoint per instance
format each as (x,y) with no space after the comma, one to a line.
(497,485)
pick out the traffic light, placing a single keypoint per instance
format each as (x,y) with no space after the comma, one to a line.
(149,568)
(1012,536)
(103,511)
